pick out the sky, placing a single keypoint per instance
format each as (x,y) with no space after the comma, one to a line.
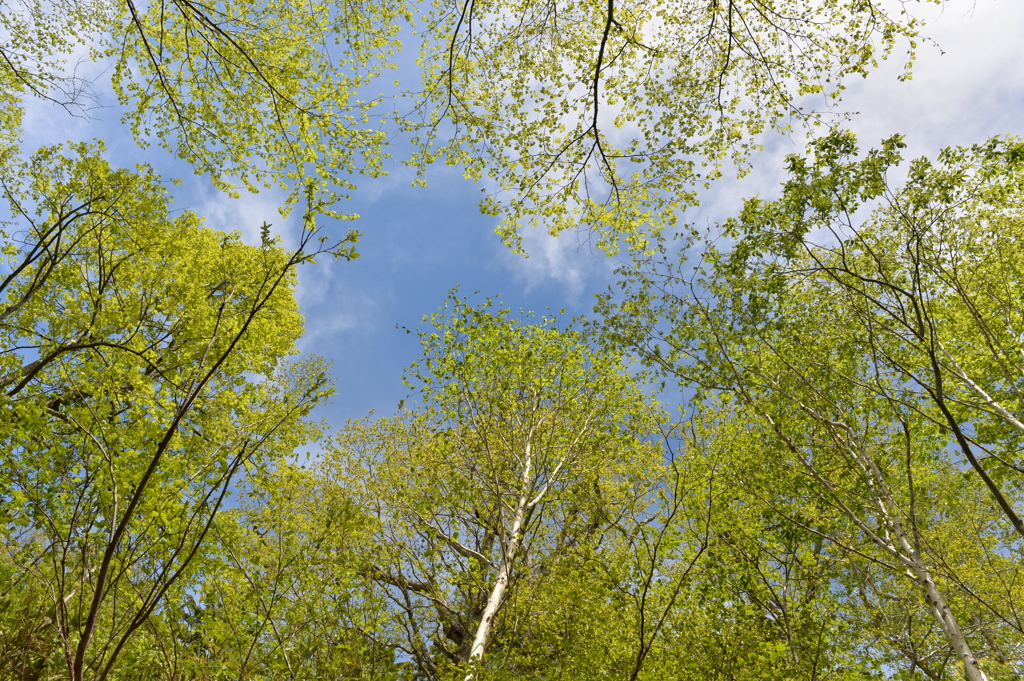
(420,242)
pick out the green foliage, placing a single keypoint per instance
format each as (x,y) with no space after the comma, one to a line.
(279,595)
(38,39)
(605,115)
(252,94)
(874,366)
(841,501)
(260,94)
(609,115)
(143,367)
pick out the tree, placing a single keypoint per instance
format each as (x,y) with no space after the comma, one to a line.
(878,360)
(931,281)
(143,367)
(530,443)
(608,115)
(767,605)
(278,594)
(709,560)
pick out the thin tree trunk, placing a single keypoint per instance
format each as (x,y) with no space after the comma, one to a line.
(944,616)
(918,570)
(905,551)
(483,631)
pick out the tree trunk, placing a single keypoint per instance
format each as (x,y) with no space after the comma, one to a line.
(944,616)
(508,556)
(483,631)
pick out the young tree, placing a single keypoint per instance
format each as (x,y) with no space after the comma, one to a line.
(930,283)
(278,594)
(143,369)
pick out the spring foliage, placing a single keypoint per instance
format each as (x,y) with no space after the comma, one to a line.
(838,497)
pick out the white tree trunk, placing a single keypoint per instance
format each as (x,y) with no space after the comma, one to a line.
(907,554)
(944,616)
(483,632)
(904,550)
(508,556)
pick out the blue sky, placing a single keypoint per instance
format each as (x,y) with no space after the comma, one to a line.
(419,242)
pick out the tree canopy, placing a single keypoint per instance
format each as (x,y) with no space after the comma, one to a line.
(786,447)
(602,115)
(611,115)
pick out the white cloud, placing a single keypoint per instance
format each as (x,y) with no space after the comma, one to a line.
(245,214)
(568,261)
(331,308)
(968,88)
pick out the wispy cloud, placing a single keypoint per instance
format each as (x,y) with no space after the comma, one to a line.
(246,213)
(570,262)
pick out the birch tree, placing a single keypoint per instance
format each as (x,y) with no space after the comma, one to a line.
(929,282)
(849,448)
(530,441)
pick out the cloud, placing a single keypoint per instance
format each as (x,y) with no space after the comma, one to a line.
(245,214)
(332,309)
(964,90)
(569,262)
